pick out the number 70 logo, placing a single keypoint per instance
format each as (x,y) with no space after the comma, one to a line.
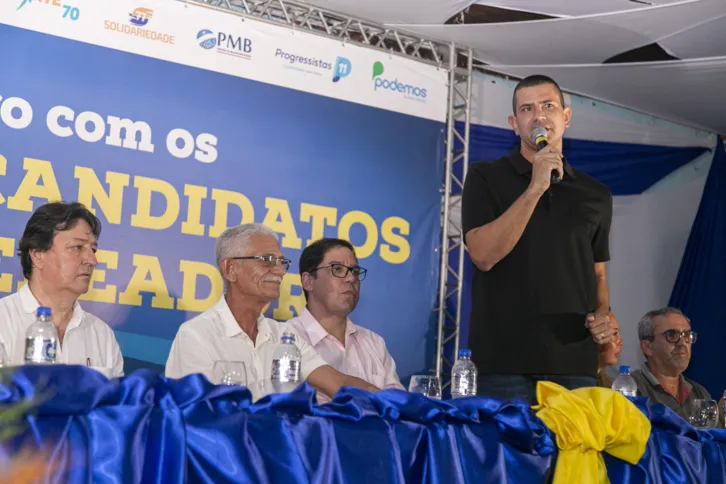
(71,12)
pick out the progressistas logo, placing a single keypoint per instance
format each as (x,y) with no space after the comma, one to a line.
(138,19)
(314,65)
(342,69)
(408,91)
(228,44)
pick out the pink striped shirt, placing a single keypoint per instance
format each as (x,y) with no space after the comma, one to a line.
(364,354)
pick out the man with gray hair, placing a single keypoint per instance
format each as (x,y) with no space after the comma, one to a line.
(665,338)
(235,330)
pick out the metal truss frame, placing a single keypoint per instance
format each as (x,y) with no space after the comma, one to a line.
(458,61)
(338,26)
(451,272)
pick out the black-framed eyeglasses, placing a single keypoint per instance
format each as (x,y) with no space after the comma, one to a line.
(341,271)
(270,260)
(673,336)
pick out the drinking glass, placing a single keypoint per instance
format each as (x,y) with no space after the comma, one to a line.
(4,363)
(4,357)
(229,373)
(426,385)
(704,414)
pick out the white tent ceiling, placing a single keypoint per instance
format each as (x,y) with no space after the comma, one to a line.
(491,104)
(706,40)
(577,40)
(572,48)
(572,8)
(396,11)
(687,91)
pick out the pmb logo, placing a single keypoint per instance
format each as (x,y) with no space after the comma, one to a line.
(342,68)
(141,16)
(207,39)
(234,45)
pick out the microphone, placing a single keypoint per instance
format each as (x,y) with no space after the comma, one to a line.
(539,137)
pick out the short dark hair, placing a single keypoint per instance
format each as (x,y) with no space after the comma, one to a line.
(46,222)
(646,325)
(535,80)
(314,254)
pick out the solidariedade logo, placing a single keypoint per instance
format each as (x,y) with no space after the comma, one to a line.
(138,19)
(224,43)
(409,91)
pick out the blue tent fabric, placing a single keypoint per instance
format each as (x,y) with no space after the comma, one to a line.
(700,288)
(628,169)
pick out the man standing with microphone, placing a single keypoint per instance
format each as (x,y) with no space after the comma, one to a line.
(537,232)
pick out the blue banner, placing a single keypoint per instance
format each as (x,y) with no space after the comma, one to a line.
(168,156)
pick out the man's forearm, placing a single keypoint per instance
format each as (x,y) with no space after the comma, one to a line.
(329,380)
(603,293)
(492,242)
(353,381)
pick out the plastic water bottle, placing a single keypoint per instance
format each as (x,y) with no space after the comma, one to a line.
(463,376)
(625,383)
(286,365)
(41,339)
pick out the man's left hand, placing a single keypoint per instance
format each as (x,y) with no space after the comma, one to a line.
(600,328)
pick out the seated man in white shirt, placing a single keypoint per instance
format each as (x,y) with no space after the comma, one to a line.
(331,280)
(234,329)
(58,255)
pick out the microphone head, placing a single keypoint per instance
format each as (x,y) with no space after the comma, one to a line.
(539,134)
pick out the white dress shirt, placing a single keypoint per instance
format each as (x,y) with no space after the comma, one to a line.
(87,337)
(215,335)
(364,355)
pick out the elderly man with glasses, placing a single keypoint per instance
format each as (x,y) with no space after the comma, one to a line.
(331,280)
(235,330)
(665,339)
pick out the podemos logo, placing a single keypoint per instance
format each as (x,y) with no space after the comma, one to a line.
(408,90)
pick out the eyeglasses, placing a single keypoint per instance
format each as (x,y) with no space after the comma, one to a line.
(270,260)
(341,271)
(673,336)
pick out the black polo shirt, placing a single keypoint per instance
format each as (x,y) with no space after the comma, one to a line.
(528,311)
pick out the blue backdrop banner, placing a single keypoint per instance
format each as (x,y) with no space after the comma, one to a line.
(168,156)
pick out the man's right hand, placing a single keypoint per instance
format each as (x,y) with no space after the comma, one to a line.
(543,163)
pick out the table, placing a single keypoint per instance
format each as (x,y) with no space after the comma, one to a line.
(146,428)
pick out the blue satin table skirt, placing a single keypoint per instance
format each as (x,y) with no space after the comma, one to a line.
(149,429)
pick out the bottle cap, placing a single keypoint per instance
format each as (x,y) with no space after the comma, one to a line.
(624,369)
(464,353)
(288,337)
(43,311)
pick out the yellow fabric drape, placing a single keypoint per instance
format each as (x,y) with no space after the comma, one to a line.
(586,422)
